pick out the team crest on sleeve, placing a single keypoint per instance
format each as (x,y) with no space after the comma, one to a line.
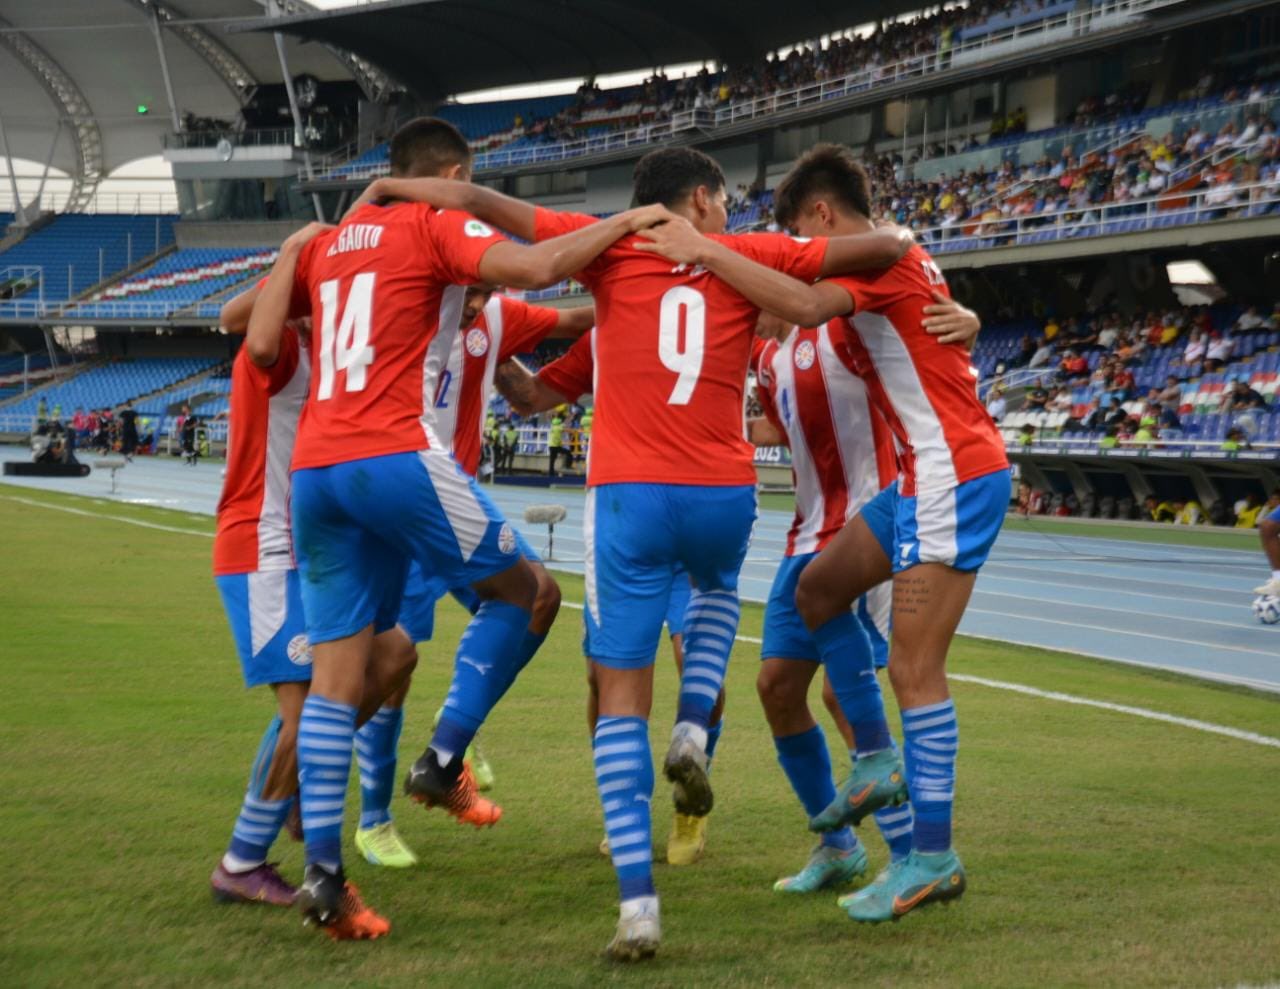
(477,342)
(507,538)
(806,354)
(299,651)
(474,228)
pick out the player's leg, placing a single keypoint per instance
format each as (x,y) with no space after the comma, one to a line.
(943,538)
(790,660)
(629,543)
(351,586)
(851,564)
(265,613)
(1269,534)
(455,532)
(713,530)
(687,839)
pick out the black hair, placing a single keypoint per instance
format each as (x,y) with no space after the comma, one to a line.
(668,175)
(827,171)
(426,146)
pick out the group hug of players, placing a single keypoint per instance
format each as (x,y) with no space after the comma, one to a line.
(350,508)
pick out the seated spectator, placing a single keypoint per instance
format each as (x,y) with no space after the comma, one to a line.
(1111,440)
(1242,397)
(1156,510)
(1026,435)
(1236,441)
(1167,416)
(1170,395)
(1250,320)
(1026,350)
(1218,353)
(1187,512)
(1123,383)
(997,406)
(1043,354)
(1030,500)
(1247,511)
(1147,434)
(1059,400)
(1037,398)
(1074,365)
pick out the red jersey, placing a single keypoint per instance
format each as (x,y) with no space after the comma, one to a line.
(573,373)
(386,293)
(505,327)
(842,452)
(926,390)
(253,512)
(672,347)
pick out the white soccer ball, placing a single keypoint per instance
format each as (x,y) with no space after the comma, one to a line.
(1266,608)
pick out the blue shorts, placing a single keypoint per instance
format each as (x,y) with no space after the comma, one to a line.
(265,613)
(1274,515)
(636,535)
(956,526)
(678,602)
(418,603)
(785,634)
(879,515)
(358,524)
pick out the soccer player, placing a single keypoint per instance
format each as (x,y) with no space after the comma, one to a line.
(672,346)
(1269,533)
(492,329)
(946,511)
(816,403)
(255,572)
(374,487)
(567,379)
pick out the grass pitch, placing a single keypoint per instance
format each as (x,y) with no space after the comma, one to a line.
(1102,849)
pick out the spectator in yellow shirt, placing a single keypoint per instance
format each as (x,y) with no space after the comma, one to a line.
(1051,329)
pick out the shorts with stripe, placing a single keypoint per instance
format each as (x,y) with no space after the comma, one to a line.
(956,526)
(785,634)
(636,536)
(264,610)
(358,524)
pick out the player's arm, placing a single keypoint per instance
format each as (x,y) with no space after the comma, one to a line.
(572,323)
(234,315)
(271,309)
(762,432)
(526,393)
(554,260)
(866,252)
(951,322)
(505,212)
(770,290)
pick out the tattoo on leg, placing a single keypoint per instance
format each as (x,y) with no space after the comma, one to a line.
(910,593)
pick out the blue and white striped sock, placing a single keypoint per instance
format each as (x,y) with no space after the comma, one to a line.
(624,777)
(488,652)
(325,737)
(895,824)
(710,624)
(846,653)
(376,743)
(260,820)
(932,741)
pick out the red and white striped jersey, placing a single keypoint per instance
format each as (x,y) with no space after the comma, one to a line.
(926,390)
(842,452)
(505,328)
(253,512)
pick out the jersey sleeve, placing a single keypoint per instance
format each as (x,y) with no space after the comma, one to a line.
(524,327)
(459,241)
(761,354)
(549,223)
(798,257)
(272,379)
(573,374)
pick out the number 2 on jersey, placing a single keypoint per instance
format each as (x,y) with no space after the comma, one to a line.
(682,304)
(344,342)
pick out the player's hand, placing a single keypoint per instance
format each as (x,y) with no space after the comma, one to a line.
(299,237)
(949,321)
(644,217)
(906,236)
(677,240)
(771,327)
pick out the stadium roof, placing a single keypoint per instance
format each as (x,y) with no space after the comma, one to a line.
(90,64)
(439,47)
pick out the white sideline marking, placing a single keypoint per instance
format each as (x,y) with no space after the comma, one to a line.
(113,518)
(1053,695)
(1017,688)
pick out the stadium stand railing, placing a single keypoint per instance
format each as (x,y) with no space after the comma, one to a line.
(1045,26)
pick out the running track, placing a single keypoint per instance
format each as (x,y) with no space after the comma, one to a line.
(1172,607)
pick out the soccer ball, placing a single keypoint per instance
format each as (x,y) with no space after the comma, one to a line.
(1266,608)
